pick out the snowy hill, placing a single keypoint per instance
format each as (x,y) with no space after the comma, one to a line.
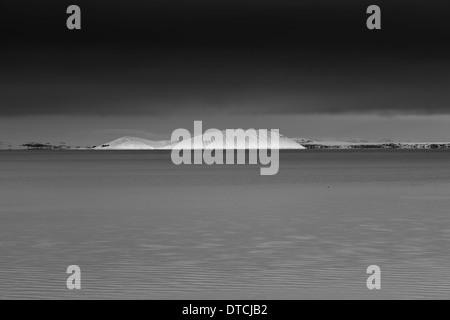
(132,143)
(254,140)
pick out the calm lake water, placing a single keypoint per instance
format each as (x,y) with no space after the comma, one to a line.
(141,227)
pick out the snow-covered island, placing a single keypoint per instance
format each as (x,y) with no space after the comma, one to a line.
(253,140)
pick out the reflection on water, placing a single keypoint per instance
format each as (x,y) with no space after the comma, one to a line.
(141,227)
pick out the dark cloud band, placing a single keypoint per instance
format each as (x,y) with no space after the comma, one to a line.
(164,57)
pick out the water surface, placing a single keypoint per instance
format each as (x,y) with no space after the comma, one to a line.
(141,227)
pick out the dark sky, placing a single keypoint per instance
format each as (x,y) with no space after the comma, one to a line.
(277,57)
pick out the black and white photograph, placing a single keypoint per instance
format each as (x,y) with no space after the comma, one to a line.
(224,150)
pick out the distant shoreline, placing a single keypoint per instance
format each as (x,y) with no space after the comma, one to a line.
(368,146)
(389,145)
